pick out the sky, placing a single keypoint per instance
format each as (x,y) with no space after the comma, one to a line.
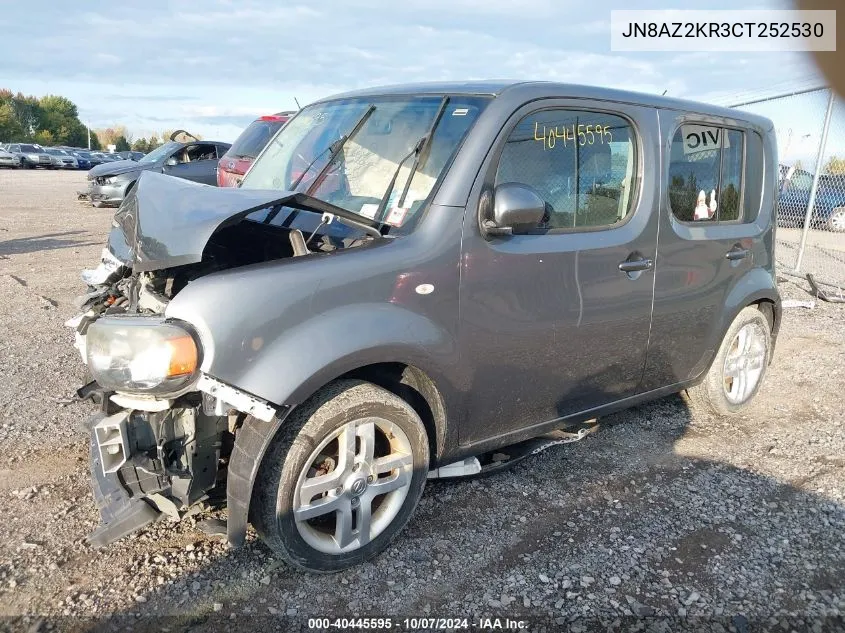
(212,66)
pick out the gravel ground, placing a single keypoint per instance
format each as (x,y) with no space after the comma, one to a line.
(665,518)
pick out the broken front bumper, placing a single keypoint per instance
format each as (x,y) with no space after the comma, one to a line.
(111,194)
(149,464)
(121,513)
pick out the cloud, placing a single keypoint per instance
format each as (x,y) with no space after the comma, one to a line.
(223,62)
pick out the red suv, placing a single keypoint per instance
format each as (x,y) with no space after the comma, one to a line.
(232,167)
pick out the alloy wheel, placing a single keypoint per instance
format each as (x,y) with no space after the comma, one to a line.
(353,485)
(744,363)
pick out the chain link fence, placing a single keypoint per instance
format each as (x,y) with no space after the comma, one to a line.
(810,128)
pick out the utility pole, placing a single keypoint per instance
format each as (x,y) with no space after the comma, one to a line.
(88,127)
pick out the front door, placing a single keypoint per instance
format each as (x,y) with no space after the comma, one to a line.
(555,320)
(195,162)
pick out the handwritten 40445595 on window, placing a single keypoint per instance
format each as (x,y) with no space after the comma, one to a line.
(580,134)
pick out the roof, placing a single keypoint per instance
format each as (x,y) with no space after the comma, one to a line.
(539,89)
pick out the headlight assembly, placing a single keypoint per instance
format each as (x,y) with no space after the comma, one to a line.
(141,354)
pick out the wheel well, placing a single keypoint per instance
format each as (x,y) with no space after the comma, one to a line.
(768,309)
(415,387)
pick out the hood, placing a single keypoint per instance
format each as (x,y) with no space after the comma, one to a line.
(119,167)
(166,221)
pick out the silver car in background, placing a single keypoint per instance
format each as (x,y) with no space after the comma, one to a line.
(32,156)
(8,159)
(62,159)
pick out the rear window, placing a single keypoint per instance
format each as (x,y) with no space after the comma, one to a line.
(706,174)
(253,139)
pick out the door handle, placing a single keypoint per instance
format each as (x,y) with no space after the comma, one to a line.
(632,266)
(737,253)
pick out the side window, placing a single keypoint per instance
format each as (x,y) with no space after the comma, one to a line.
(583,164)
(706,174)
(203,151)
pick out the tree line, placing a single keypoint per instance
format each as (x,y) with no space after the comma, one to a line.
(54,120)
(47,120)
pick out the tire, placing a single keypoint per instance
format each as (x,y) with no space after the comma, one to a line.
(724,391)
(836,221)
(339,415)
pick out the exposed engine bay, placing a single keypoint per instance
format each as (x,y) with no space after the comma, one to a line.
(114,288)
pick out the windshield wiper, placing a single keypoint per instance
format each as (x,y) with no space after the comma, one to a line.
(334,148)
(426,146)
(382,205)
(420,150)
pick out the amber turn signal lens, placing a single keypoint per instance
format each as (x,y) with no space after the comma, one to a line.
(183,356)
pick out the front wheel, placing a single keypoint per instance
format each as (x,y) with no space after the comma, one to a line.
(739,366)
(341,478)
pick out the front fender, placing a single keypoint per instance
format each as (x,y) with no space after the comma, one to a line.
(307,356)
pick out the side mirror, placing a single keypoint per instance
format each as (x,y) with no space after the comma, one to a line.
(516,207)
(171,162)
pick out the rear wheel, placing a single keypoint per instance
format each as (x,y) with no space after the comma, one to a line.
(739,366)
(342,478)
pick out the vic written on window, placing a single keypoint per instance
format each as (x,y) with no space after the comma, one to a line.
(705,174)
(583,164)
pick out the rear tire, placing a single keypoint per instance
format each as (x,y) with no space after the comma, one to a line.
(342,477)
(739,367)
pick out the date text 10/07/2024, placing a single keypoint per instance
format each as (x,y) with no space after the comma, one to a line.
(581,134)
(417,624)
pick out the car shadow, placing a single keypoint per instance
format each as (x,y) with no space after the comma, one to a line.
(640,521)
(48,242)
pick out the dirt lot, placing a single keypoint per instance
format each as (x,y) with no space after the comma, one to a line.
(663,514)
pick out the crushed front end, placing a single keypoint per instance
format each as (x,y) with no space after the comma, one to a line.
(160,443)
(162,438)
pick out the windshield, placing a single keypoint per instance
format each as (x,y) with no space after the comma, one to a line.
(253,139)
(29,148)
(159,152)
(368,160)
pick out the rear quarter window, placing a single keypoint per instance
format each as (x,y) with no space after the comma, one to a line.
(715,174)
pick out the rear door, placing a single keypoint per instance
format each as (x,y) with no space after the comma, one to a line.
(711,234)
(550,324)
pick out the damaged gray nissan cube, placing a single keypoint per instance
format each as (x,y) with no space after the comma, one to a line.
(408,280)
